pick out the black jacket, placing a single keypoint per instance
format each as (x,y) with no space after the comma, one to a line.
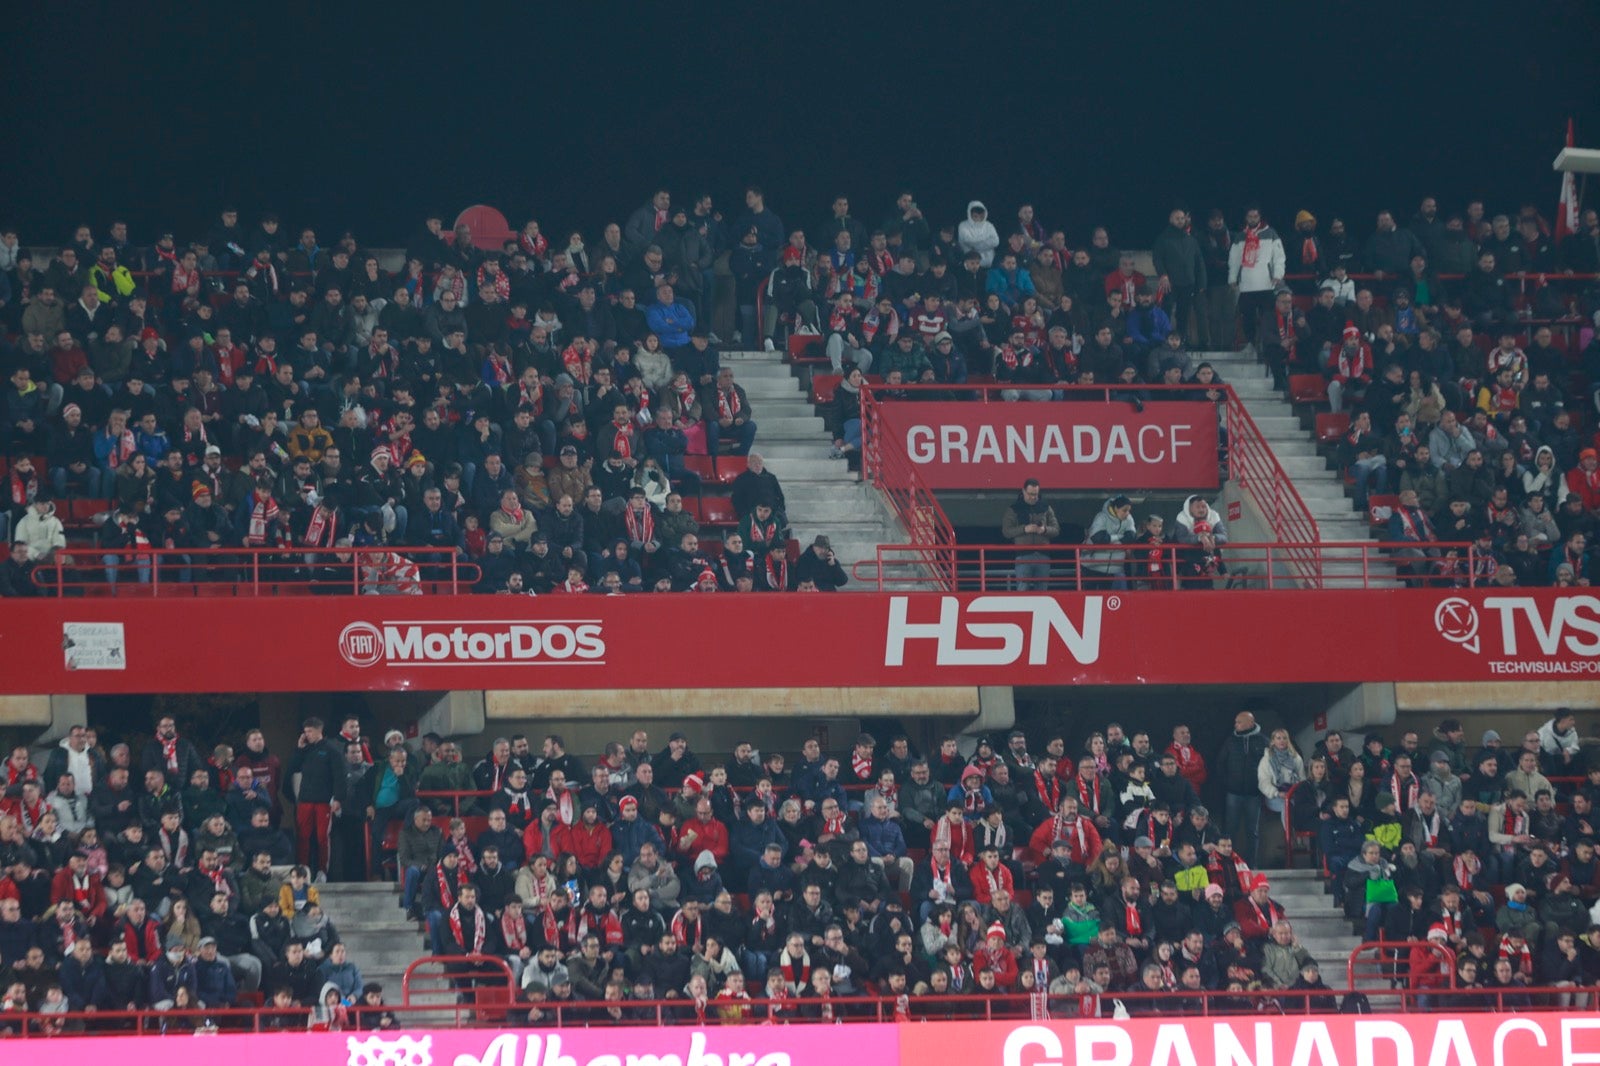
(321,770)
(1236,763)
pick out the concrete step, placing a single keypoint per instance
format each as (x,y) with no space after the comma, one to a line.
(803,448)
(1251,388)
(775,421)
(1297,466)
(1272,426)
(1284,447)
(802,470)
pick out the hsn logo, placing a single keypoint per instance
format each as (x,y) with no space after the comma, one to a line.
(1005,640)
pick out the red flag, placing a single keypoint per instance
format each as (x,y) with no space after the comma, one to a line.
(1567,211)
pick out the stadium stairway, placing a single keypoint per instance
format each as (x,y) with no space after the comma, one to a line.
(1321,486)
(1321,928)
(823,495)
(368,918)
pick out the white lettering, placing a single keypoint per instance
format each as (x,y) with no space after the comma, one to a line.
(1450,1035)
(1088,1037)
(1086,442)
(1313,1037)
(1031,1036)
(1578,613)
(988,446)
(1054,446)
(1369,1033)
(1172,1040)
(1119,447)
(1515,1025)
(1569,1026)
(1228,1051)
(919,444)
(1004,639)
(954,439)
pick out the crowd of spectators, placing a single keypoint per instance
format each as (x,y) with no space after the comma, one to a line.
(749,885)
(155,878)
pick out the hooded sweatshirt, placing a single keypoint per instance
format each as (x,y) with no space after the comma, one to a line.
(979,236)
(1186,521)
(1117,531)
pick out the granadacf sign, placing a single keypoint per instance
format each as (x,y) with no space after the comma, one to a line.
(1082,446)
(870,639)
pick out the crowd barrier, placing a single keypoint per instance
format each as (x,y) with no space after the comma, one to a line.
(256,572)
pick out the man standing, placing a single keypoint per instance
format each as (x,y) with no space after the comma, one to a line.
(319,766)
(1030,521)
(1182,270)
(1255,268)
(1236,767)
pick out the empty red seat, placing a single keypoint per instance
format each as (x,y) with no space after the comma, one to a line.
(730,467)
(712,511)
(1381,504)
(798,344)
(1308,388)
(823,386)
(1331,427)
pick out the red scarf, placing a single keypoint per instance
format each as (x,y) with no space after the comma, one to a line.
(777,570)
(728,404)
(219,881)
(1072,832)
(622,440)
(1241,869)
(323,527)
(447,895)
(182,279)
(943,877)
(641,524)
(479,929)
(1252,246)
(1423,531)
(1286,334)
(835,825)
(514,512)
(1515,824)
(1130,912)
(1048,790)
(169,752)
(1465,870)
(1083,794)
(467,866)
(577,364)
(1269,917)
(686,934)
(15,777)
(564,809)
(1405,795)
(500,367)
(861,766)
(263,512)
(1521,957)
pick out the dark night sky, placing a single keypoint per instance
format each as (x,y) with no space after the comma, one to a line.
(1105,114)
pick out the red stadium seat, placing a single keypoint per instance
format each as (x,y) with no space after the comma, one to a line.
(823,386)
(1308,388)
(1331,427)
(730,467)
(712,511)
(1381,500)
(795,353)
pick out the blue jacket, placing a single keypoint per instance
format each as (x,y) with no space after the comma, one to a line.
(1340,839)
(346,978)
(747,841)
(1148,325)
(628,837)
(671,322)
(214,983)
(1012,286)
(883,837)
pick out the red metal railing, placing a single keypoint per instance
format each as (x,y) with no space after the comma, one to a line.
(157,572)
(493,1006)
(1103,568)
(1252,466)
(927,527)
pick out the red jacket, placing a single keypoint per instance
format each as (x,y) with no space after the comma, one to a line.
(1084,838)
(982,888)
(1002,962)
(144,945)
(1586,485)
(709,836)
(590,843)
(1255,923)
(91,901)
(1191,766)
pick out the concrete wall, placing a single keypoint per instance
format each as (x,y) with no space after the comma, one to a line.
(767,704)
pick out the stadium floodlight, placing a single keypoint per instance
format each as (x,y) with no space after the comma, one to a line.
(1578,160)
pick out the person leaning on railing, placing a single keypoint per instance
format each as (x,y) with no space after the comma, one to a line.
(1030,522)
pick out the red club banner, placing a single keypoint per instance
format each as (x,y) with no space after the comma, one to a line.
(1079,446)
(689,640)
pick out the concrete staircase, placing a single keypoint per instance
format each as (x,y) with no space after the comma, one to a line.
(1318,483)
(823,495)
(1321,927)
(381,942)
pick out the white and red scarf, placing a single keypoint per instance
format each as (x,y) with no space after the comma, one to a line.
(263,513)
(641,524)
(728,403)
(861,766)
(1252,246)
(479,929)
(322,531)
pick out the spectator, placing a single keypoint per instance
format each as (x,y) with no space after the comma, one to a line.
(1255,268)
(1030,522)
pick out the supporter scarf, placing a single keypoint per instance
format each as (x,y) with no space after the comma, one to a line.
(1048,790)
(1072,830)
(479,928)
(777,570)
(514,512)
(69,935)
(1041,973)
(564,812)
(729,405)
(122,450)
(500,367)
(500,280)
(603,924)
(958,978)
(972,800)
(80,893)
(219,881)
(826,1010)
(942,880)
(15,777)
(890,793)
(551,925)
(1240,871)
(902,1008)
(570,585)
(29,816)
(1309,253)
(1430,829)
(1252,246)
(176,847)
(685,394)
(1356,362)
(1519,954)
(263,512)
(1286,334)
(1465,869)
(686,934)
(641,524)
(1451,920)
(1039,1004)
(537,246)
(1269,917)
(1515,824)
(861,765)
(796,971)
(835,825)
(1135,924)
(467,866)
(513,929)
(996,879)
(763,532)
(447,895)
(182,279)
(1416,523)
(519,805)
(23,490)
(323,531)
(169,753)
(1405,794)
(1084,794)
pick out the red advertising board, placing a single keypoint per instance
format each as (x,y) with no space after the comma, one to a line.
(689,640)
(1085,446)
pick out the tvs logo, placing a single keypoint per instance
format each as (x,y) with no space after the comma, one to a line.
(573,642)
(1457,621)
(1046,619)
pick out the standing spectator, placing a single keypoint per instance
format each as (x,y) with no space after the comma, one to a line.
(320,764)
(977,233)
(1237,766)
(1216,247)
(1181,266)
(1255,268)
(1028,522)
